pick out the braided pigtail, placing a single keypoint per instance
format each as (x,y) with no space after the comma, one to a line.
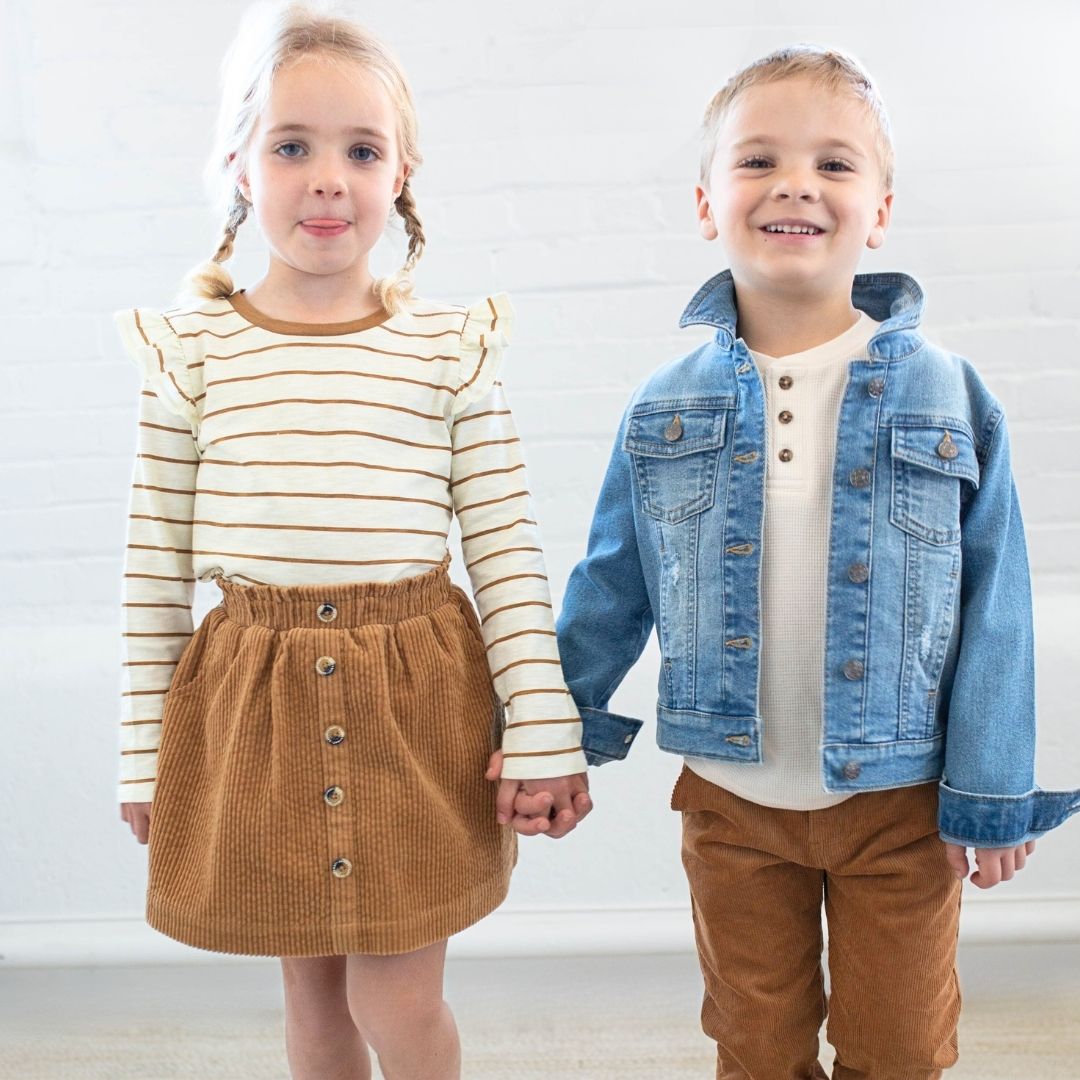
(210,279)
(393,291)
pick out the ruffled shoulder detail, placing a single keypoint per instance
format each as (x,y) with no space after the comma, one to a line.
(156,351)
(484,339)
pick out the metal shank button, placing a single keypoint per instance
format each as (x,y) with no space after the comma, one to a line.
(851,770)
(858,572)
(947,449)
(673,432)
(341,868)
(334,796)
(876,387)
(334,735)
(859,478)
(325,665)
(326,612)
(853,669)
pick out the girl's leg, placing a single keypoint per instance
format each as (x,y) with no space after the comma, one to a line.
(321,1040)
(397,1002)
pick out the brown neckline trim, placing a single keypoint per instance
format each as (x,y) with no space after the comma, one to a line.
(244,308)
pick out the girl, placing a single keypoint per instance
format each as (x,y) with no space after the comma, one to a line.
(314,753)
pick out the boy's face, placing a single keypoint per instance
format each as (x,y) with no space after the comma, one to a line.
(793,151)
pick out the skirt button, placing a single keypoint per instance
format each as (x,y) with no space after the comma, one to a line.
(325,665)
(334,735)
(326,612)
(341,868)
(334,796)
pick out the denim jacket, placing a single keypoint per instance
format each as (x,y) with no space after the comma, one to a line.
(929,653)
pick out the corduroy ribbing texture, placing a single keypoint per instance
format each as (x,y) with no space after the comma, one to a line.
(758,878)
(321,782)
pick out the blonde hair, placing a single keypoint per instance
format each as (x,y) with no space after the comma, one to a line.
(270,37)
(837,71)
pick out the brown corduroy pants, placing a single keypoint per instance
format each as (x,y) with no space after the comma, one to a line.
(758,878)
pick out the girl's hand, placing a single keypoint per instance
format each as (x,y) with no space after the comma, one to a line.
(550,806)
(137,815)
(995,864)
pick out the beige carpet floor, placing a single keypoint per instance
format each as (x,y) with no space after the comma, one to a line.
(631,1018)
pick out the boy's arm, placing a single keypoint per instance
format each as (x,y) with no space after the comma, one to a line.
(988,796)
(606,616)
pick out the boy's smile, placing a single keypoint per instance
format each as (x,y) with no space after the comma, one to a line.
(795,191)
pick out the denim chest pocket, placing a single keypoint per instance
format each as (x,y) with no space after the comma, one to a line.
(930,463)
(676,451)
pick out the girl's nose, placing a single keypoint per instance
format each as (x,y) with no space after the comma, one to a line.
(327,181)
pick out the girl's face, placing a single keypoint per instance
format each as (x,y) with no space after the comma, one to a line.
(323,167)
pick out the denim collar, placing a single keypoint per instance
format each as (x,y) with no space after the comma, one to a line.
(895,300)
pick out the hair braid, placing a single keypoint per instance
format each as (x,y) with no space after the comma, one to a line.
(210,279)
(393,291)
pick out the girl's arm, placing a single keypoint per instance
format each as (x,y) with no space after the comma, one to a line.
(159,582)
(501,543)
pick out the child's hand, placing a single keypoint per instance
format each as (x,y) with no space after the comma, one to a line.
(137,815)
(996,864)
(550,806)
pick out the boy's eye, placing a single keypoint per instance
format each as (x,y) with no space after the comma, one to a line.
(754,163)
(841,166)
(364,153)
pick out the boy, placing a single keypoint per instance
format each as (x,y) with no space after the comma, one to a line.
(816,510)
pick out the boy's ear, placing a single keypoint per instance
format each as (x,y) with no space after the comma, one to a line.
(881,225)
(704,212)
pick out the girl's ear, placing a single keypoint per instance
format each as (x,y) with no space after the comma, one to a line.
(399,180)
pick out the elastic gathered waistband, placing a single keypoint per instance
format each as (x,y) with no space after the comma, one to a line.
(334,607)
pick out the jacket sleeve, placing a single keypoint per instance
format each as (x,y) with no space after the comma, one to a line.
(606,616)
(988,795)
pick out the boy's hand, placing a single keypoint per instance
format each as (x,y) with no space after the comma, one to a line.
(137,815)
(995,864)
(550,806)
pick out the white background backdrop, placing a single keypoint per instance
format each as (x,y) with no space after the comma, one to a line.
(561,149)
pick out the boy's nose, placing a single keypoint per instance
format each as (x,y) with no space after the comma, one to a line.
(796,186)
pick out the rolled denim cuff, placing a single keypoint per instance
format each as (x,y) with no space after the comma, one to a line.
(993,821)
(606,736)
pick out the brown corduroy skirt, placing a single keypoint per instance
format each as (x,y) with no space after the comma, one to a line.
(321,781)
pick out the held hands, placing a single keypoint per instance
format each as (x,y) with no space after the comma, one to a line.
(994,864)
(137,815)
(553,806)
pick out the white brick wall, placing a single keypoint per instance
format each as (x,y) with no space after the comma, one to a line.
(561,149)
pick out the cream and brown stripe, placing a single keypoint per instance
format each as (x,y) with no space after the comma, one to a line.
(285,453)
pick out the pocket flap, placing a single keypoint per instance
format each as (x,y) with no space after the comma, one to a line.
(668,431)
(944,449)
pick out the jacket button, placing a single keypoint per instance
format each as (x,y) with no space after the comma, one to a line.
(785,417)
(325,665)
(673,432)
(334,735)
(859,478)
(785,382)
(628,739)
(333,796)
(858,572)
(738,740)
(851,770)
(947,449)
(326,612)
(853,670)
(876,387)
(341,868)
(785,454)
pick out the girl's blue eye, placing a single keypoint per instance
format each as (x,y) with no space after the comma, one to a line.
(288,146)
(363,153)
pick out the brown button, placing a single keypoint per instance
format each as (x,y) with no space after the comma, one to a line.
(853,670)
(333,796)
(334,735)
(875,387)
(673,432)
(785,417)
(785,455)
(326,612)
(785,382)
(858,572)
(947,448)
(737,740)
(851,770)
(325,665)
(341,868)
(859,478)
(740,643)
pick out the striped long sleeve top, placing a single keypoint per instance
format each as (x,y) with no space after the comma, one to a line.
(289,453)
